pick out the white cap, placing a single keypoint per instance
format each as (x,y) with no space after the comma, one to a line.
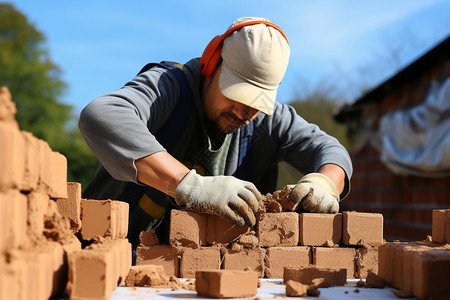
(255,58)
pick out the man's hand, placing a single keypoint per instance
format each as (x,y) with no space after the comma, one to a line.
(315,192)
(235,200)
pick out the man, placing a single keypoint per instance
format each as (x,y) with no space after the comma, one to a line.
(209,137)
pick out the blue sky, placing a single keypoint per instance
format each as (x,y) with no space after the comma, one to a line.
(100,45)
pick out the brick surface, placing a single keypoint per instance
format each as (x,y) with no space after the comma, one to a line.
(366,228)
(278,229)
(320,229)
(337,258)
(226,284)
(438,225)
(90,274)
(104,218)
(53,175)
(220,231)
(12,157)
(37,209)
(447,227)
(386,262)
(70,207)
(18,230)
(165,255)
(277,258)
(329,276)
(366,260)
(32,162)
(187,228)
(207,258)
(244,260)
(8,108)
(431,273)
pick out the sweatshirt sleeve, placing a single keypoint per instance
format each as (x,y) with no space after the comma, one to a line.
(305,146)
(119,127)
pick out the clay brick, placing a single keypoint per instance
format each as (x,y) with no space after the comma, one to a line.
(35,280)
(8,108)
(310,276)
(431,272)
(91,274)
(447,227)
(337,258)
(104,218)
(199,259)
(165,255)
(12,157)
(32,162)
(244,260)
(226,284)
(366,260)
(438,225)
(360,228)
(407,272)
(70,207)
(148,238)
(14,280)
(277,258)
(147,275)
(386,261)
(320,229)
(278,229)
(187,228)
(37,209)
(53,175)
(6,220)
(18,230)
(220,231)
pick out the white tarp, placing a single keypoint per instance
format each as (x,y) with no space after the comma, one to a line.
(416,141)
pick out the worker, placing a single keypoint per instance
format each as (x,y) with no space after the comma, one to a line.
(208,135)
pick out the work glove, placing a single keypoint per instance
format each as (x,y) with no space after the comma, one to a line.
(316,192)
(233,199)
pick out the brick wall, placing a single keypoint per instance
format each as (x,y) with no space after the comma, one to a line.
(406,202)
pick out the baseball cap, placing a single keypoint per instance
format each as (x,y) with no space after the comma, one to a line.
(254,60)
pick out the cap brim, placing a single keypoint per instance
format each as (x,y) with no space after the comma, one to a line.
(238,89)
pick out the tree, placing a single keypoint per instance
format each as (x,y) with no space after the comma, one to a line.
(35,84)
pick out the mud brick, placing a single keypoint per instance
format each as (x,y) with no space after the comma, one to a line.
(147,275)
(308,276)
(8,108)
(36,279)
(103,218)
(91,274)
(244,260)
(207,258)
(53,175)
(70,207)
(226,284)
(278,229)
(431,273)
(438,229)
(386,255)
(277,258)
(148,238)
(12,157)
(187,228)
(165,255)
(14,279)
(32,162)
(223,232)
(366,260)
(6,220)
(337,258)
(37,209)
(362,228)
(320,229)
(18,237)
(447,227)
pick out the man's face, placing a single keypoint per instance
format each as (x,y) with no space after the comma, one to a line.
(228,115)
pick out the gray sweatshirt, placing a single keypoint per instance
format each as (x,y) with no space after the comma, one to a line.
(122,127)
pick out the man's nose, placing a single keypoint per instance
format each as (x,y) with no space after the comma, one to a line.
(244,112)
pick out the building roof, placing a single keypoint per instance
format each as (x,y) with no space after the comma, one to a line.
(409,73)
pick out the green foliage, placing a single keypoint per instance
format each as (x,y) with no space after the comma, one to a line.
(35,84)
(315,108)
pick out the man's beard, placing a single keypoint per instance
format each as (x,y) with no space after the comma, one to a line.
(236,122)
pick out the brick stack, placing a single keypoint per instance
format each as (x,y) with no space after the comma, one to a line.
(421,268)
(347,240)
(40,217)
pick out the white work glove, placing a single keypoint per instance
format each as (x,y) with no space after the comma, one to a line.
(233,199)
(316,192)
